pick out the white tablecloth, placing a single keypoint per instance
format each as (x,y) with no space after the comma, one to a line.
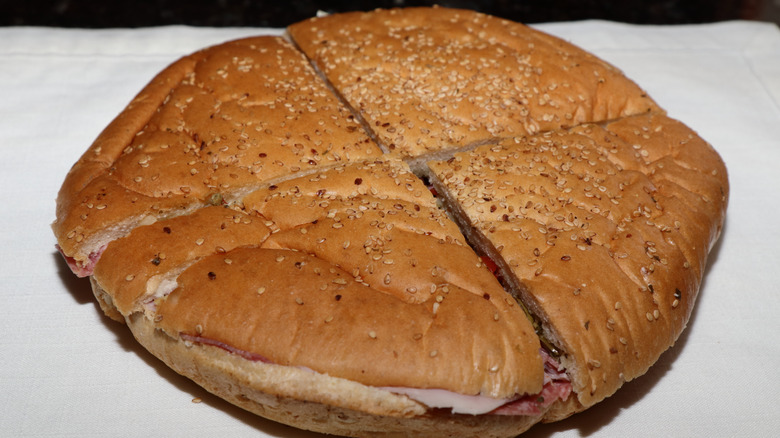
(66,370)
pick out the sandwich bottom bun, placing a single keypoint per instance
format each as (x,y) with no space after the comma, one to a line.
(314,401)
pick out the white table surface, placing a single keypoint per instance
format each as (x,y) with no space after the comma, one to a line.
(66,370)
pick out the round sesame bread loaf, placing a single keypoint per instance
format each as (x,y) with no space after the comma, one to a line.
(259,217)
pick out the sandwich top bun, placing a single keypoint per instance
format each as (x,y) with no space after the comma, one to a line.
(260,216)
(431,80)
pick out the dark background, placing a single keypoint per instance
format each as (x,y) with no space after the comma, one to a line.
(279,13)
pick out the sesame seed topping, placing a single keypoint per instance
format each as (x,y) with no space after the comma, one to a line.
(372,334)
(434,353)
(130,277)
(228,261)
(261,290)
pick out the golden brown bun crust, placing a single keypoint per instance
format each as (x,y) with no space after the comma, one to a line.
(408,304)
(607,255)
(120,132)
(211,126)
(149,252)
(377,222)
(427,79)
(238,205)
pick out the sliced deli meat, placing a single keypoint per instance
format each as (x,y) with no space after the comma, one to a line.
(408,222)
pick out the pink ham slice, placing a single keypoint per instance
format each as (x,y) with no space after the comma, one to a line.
(82,269)
(556,386)
(535,404)
(214,343)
